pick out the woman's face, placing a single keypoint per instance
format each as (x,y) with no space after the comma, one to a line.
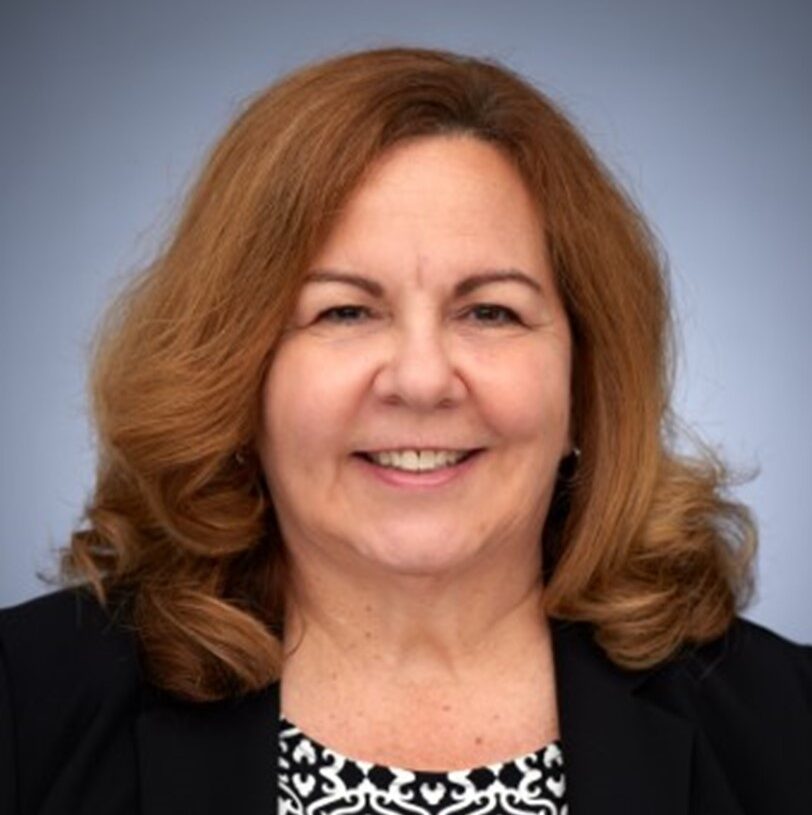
(429,322)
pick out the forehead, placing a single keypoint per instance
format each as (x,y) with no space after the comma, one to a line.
(464,164)
(437,202)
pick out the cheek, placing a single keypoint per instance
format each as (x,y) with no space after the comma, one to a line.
(306,407)
(527,397)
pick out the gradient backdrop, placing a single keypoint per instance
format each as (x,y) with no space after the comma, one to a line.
(702,108)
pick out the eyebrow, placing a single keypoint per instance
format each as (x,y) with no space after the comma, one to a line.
(463,287)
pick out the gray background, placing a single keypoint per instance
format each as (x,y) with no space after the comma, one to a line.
(702,108)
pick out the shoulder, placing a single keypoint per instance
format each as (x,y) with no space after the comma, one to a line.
(749,660)
(68,634)
(749,696)
(746,672)
(69,692)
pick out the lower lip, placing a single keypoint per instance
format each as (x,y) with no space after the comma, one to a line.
(418,481)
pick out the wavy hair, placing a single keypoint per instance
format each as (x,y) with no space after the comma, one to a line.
(643,542)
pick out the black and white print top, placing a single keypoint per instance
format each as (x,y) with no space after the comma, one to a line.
(315,780)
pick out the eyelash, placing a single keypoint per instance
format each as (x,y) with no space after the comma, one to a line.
(327,314)
(512,318)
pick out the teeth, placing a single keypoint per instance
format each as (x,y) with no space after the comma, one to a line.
(418,461)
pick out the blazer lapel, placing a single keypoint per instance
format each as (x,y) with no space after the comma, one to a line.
(209,758)
(623,752)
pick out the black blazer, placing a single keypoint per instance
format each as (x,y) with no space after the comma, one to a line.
(723,730)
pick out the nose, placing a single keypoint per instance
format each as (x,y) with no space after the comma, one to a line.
(419,370)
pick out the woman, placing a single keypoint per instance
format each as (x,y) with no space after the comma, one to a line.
(388,515)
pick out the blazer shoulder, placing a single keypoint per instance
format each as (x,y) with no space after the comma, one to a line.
(754,659)
(66,650)
(69,689)
(748,686)
(748,696)
(68,634)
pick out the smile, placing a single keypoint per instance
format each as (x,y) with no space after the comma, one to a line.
(417,461)
(418,470)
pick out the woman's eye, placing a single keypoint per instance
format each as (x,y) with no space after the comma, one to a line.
(489,314)
(344,314)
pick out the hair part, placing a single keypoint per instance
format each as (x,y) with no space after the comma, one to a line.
(641,541)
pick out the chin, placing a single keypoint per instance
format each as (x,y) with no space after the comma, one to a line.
(434,556)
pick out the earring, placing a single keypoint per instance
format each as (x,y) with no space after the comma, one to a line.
(239,456)
(568,466)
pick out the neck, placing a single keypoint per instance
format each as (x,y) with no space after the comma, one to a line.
(413,629)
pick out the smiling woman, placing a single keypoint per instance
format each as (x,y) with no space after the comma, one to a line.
(389,513)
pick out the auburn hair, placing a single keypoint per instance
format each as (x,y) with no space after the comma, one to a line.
(642,541)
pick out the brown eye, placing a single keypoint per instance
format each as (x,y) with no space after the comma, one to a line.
(344,314)
(489,314)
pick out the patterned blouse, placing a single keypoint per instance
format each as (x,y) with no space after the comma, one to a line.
(315,780)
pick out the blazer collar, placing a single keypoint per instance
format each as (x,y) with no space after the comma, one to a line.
(623,752)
